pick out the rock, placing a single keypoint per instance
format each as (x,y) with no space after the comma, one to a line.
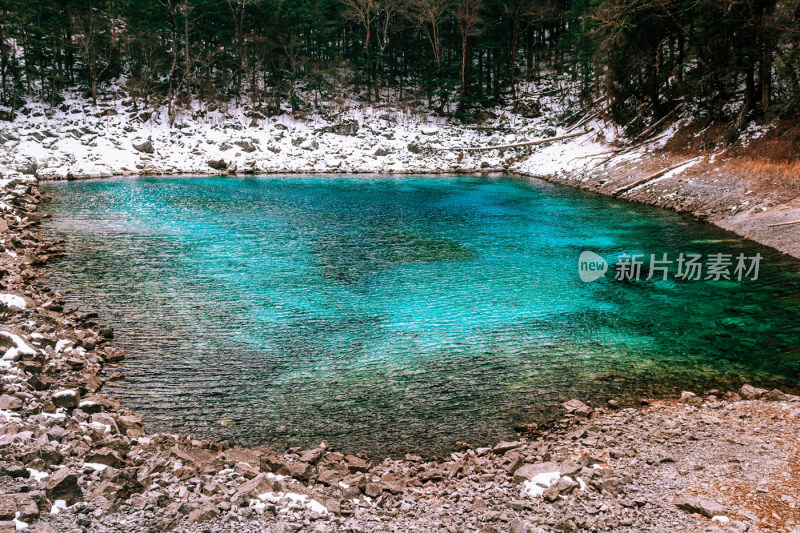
(373,490)
(347,127)
(529,471)
(503,447)
(7,526)
(27,508)
(577,407)
(381,152)
(707,508)
(67,398)
(748,392)
(203,513)
(776,395)
(144,147)
(8,507)
(518,525)
(356,464)
(10,403)
(245,146)
(686,396)
(314,455)
(562,486)
(105,456)
(217,164)
(15,470)
(529,109)
(251,489)
(246,470)
(63,485)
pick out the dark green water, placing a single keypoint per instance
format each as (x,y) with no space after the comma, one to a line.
(386,315)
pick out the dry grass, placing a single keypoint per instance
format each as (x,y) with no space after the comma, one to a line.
(770,163)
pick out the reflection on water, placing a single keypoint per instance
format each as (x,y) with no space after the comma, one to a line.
(392,314)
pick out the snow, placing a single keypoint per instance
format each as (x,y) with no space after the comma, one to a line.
(19,524)
(37,475)
(97,467)
(12,300)
(76,139)
(61,344)
(57,506)
(301,499)
(537,484)
(19,349)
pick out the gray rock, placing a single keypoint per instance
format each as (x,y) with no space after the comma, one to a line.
(776,395)
(529,471)
(246,146)
(63,485)
(707,508)
(217,164)
(748,392)
(144,147)
(10,403)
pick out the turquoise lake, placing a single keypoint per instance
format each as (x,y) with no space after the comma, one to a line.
(403,314)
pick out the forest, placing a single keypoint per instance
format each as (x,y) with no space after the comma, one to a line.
(732,60)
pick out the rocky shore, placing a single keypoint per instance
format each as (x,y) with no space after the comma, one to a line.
(73,459)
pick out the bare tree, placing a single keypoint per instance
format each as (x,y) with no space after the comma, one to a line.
(238,8)
(468,16)
(92,35)
(428,15)
(523,14)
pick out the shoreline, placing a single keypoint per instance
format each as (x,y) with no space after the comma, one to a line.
(73,458)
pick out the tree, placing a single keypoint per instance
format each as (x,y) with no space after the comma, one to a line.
(91,25)
(468,16)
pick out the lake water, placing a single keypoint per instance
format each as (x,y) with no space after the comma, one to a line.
(395,314)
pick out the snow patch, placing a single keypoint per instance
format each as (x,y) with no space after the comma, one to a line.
(12,300)
(536,486)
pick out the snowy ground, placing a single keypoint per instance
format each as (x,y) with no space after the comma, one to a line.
(78,140)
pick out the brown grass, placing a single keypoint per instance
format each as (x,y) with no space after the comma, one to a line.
(770,163)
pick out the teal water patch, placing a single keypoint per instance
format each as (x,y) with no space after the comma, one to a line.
(386,314)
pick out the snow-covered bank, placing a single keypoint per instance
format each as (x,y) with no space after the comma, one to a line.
(78,140)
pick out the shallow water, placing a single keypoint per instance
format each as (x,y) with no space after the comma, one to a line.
(394,314)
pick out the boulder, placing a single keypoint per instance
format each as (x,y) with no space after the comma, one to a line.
(104,456)
(694,504)
(246,146)
(144,147)
(503,447)
(314,455)
(776,395)
(203,513)
(529,471)
(67,398)
(748,392)
(577,407)
(356,464)
(217,164)
(63,485)
(251,489)
(10,403)
(8,507)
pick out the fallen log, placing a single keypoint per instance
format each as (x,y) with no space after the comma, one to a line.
(783,224)
(517,145)
(651,177)
(658,123)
